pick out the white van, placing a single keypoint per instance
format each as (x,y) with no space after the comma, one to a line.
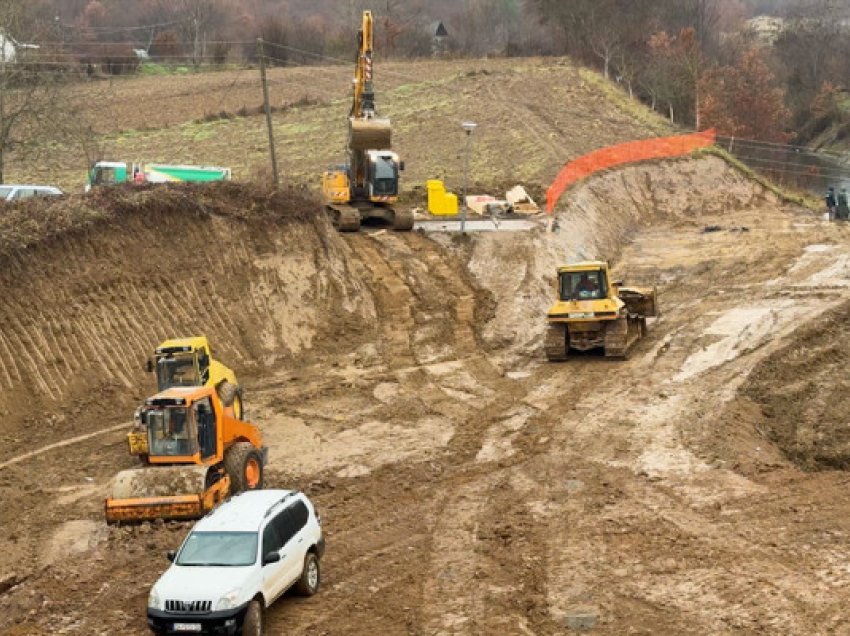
(236,562)
(16,192)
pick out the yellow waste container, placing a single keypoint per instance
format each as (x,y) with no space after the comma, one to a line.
(440,203)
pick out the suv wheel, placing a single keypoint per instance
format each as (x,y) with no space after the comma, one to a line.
(244,466)
(253,623)
(308,584)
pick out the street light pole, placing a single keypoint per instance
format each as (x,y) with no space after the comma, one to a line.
(468,127)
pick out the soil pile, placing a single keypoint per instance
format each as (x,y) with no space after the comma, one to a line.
(804,394)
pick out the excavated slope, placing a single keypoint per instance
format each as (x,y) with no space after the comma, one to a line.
(465,485)
(263,278)
(595,220)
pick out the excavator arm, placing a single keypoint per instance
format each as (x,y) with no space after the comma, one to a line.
(364,95)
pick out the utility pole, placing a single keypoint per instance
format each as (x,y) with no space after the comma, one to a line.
(3,46)
(262,54)
(468,127)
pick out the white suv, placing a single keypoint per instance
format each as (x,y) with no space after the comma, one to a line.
(236,562)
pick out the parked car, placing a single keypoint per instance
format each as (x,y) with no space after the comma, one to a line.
(236,562)
(16,192)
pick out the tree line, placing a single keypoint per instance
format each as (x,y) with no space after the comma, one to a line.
(702,63)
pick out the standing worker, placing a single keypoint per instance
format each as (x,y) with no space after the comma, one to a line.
(842,211)
(830,202)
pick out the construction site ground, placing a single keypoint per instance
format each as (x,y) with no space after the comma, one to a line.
(465,485)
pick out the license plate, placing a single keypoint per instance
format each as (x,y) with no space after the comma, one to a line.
(587,314)
(187,627)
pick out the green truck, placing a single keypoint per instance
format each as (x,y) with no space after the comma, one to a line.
(113,172)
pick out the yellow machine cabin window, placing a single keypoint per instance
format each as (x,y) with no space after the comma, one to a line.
(589,285)
(176,371)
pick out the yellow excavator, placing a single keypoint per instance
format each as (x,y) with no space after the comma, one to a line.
(197,454)
(594,312)
(365,189)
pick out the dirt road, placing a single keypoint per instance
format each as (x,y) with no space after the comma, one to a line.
(466,486)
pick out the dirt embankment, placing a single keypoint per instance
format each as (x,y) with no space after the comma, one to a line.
(82,306)
(595,220)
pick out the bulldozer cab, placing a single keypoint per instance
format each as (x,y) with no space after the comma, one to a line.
(583,284)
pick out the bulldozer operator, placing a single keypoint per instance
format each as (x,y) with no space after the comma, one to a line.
(587,286)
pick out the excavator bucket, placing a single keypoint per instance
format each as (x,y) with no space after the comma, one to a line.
(370,134)
(163,492)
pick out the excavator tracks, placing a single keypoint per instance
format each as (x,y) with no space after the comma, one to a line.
(402,220)
(556,344)
(345,218)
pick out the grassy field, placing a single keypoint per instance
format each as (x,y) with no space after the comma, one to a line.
(533,115)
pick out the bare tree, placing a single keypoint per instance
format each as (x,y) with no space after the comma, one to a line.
(35,108)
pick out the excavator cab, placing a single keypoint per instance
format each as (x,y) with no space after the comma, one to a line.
(382,174)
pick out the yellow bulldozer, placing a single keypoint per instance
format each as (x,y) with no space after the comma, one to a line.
(366,188)
(593,312)
(197,454)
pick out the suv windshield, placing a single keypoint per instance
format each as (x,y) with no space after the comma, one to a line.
(587,285)
(4,192)
(169,432)
(176,371)
(226,549)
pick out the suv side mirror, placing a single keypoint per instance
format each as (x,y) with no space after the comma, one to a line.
(170,555)
(401,166)
(271,557)
(149,366)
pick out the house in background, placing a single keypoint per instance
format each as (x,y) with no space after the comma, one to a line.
(10,49)
(7,48)
(439,39)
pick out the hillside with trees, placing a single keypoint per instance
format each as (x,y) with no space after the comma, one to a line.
(699,62)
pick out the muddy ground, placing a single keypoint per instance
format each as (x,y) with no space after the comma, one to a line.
(466,486)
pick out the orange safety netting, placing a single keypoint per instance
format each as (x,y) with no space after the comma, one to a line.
(630,152)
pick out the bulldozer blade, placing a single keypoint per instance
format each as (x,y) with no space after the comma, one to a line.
(154,492)
(641,301)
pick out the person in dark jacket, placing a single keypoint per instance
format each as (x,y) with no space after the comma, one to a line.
(842,211)
(831,202)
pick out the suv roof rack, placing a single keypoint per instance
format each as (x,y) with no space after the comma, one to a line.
(292,493)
